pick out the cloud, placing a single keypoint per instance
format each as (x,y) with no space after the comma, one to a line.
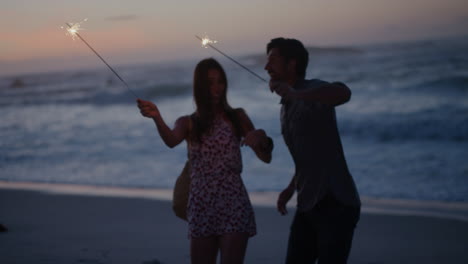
(122,18)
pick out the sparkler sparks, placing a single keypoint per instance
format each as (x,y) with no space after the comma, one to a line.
(72,30)
(206,42)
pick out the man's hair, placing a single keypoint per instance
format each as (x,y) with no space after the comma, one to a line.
(291,49)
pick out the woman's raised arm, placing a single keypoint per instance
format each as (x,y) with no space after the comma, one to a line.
(171,137)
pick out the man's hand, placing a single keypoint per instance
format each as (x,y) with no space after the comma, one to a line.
(283,199)
(282,89)
(148,109)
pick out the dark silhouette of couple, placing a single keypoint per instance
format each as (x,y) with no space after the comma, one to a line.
(220,215)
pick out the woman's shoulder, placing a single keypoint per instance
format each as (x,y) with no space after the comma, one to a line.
(240,112)
(243,118)
(184,120)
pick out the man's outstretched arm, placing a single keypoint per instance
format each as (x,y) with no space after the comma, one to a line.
(334,94)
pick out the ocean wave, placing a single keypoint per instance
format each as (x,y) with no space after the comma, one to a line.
(446,84)
(147,92)
(89,93)
(445,123)
(167,90)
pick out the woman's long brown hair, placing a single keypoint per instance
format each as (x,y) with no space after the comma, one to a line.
(203,117)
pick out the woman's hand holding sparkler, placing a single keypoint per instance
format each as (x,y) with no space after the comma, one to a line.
(148,109)
(171,137)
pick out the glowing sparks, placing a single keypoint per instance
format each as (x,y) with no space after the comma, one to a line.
(73,28)
(207,41)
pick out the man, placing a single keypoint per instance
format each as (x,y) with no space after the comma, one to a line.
(328,204)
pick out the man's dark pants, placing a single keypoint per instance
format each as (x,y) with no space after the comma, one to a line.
(324,233)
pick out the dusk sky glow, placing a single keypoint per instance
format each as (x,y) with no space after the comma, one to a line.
(148,31)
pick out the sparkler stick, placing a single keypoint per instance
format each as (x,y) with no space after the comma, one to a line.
(73,31)
(207,42)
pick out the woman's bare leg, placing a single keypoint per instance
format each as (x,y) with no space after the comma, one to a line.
(204,250)
(233,247)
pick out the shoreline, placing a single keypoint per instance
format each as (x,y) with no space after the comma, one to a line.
(54,228)
(371,205)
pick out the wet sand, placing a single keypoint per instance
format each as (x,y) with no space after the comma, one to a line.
(108,225)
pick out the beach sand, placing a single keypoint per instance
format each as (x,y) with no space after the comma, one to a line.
(73,227)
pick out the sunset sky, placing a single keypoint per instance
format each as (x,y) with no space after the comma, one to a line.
(127,32)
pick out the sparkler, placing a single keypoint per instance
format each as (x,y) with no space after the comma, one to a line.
(72,30)
(207,42)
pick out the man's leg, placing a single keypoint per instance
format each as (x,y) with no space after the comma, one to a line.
(302,245)
(335,233)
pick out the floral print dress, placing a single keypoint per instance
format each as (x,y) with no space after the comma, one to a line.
(218,201)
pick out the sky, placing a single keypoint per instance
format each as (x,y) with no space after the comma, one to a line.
(152,31)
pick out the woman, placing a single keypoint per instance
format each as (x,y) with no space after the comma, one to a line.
(220,216)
